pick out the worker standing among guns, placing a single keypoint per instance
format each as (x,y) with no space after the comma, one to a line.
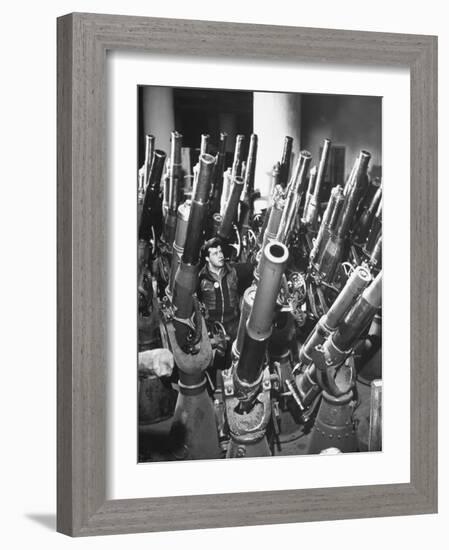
(221,283)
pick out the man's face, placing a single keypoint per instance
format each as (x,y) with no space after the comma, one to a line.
(216,257)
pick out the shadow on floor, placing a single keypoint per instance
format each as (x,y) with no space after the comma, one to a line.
(46,520)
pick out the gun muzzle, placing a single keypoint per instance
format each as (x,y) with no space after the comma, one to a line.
(353,192)
(175,177)
(366,219)
(359,316)
(307,213)
(205,138)
(260,320)
(323,232)
(237,162)
(284,166)
(180,239)
(198,212)
(324,159)
(230,212)
(149,151)
(374,232)
(250,169)
(152,206)
(331,252)
(294,195)
(357,282)
(217,180)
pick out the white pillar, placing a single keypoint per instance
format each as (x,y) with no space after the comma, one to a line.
(158,115)
(276,115)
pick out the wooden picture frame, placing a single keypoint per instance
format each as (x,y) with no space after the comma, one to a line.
(83,40)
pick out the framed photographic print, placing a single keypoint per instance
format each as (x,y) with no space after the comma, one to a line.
(246,274)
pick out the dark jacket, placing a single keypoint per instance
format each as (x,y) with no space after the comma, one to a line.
(220,295)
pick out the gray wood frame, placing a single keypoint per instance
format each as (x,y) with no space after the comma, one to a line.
(83,40)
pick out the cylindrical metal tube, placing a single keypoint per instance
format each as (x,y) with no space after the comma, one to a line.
(323,231)
(152,205)
(375,260)
(275,256)
(198,212)
(237,162)
(217,180)
(250,168)
(359,316)
(284,166)
(247,304)
(246,205)
(337,210)
(366,219)
(204,144)
(231,208)
(356,189)
(260,320)
(374,232)
(322,167)
(227,183)
(180,239)
(294,195)
(357,282)
(176,176)
(273,221)
(149,151)
(308,209)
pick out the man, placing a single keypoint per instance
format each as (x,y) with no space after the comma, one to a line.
(220,286)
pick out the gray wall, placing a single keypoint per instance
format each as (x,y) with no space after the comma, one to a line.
(352,121)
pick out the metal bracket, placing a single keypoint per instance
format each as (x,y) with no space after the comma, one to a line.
(247,427)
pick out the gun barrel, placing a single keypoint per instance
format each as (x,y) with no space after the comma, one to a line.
(357,282)
(375,260)
(310,203)
(231,208)
(374,231)
(366,219)
(217,181)
(359,316)
(175,171)
(180,239)
(149,151)
(205,138)
(323,231)
(274,219)
(322,167)
(284,167)
(250,169)
(260,320)
(355,189)
(294,195)
(198,212)
(339,200)
(152,207)
(237,162)
(247,304)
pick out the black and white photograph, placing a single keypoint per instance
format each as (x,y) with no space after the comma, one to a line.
(259,260)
